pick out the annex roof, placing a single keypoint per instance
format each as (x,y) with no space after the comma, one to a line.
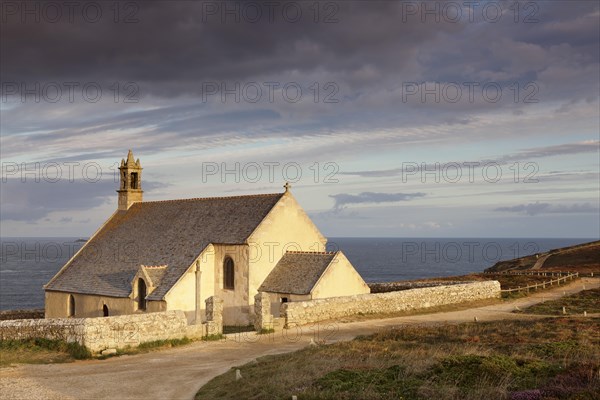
(297,272)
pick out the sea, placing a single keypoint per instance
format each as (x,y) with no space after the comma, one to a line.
(26,264)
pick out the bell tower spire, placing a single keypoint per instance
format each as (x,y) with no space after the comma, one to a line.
(130,188)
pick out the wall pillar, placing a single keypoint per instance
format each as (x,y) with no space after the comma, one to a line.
(214,316)
(262,312)
(198,315)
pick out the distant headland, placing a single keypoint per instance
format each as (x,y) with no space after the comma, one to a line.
(582,258)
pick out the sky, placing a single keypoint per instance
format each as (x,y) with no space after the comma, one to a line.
(388,118)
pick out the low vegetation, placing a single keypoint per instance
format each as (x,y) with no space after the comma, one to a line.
(213,337)
(555,358)
(237,328)
(161,344)
(146,347)
(40,351)
(582,258)
(587,300)
(44,351)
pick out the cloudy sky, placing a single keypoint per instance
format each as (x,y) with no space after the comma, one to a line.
(389,118)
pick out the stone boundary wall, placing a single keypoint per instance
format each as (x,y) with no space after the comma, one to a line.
(384,287)
(67,329)
(307,312)
(115,332)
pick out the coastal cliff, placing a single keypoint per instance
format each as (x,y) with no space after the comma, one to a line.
(583,258)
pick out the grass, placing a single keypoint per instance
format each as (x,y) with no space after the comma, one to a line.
(214,336)
(237,328)
(44,351)
(161,344)
(554,358)
(147,347)
(587,300)
(582,258)
(40,351)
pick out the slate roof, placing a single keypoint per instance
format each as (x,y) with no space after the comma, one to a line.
(155,273)
(297,272)
(172,233)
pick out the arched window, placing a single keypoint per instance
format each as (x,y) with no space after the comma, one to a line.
(105,310)
(71,311)
(141,294)
(228,273)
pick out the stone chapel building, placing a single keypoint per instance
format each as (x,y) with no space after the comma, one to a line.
(172,255)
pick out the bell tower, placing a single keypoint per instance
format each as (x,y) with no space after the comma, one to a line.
(130,188)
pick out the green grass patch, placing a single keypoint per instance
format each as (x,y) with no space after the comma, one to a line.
(40,351)
(214,336)
(390,382)
(44,351)
(471,371)
(514,295)
(146,347)
(237,328)
(164,343)
(586,300)
(554,358)
(265,331)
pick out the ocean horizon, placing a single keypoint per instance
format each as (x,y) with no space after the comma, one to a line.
(26,264)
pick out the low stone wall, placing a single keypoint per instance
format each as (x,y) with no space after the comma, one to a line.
(131,330)
(67,329)
(384,287)
(100,333)
(306,312)
(115,332)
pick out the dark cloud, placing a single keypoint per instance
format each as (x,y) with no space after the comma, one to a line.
(592,146)
(369,53)
(342,200)
(522,156)
(547,208)
(372,45)
(193,45)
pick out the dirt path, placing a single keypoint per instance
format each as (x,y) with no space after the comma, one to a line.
(540,262)
(178,373)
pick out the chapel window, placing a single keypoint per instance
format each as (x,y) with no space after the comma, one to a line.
(141,294)
(228,273)
(71,311)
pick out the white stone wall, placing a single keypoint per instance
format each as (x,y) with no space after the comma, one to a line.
(121,331)
(67,329)
(131,330)
(306,312)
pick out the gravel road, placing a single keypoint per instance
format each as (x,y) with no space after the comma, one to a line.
(178,373)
